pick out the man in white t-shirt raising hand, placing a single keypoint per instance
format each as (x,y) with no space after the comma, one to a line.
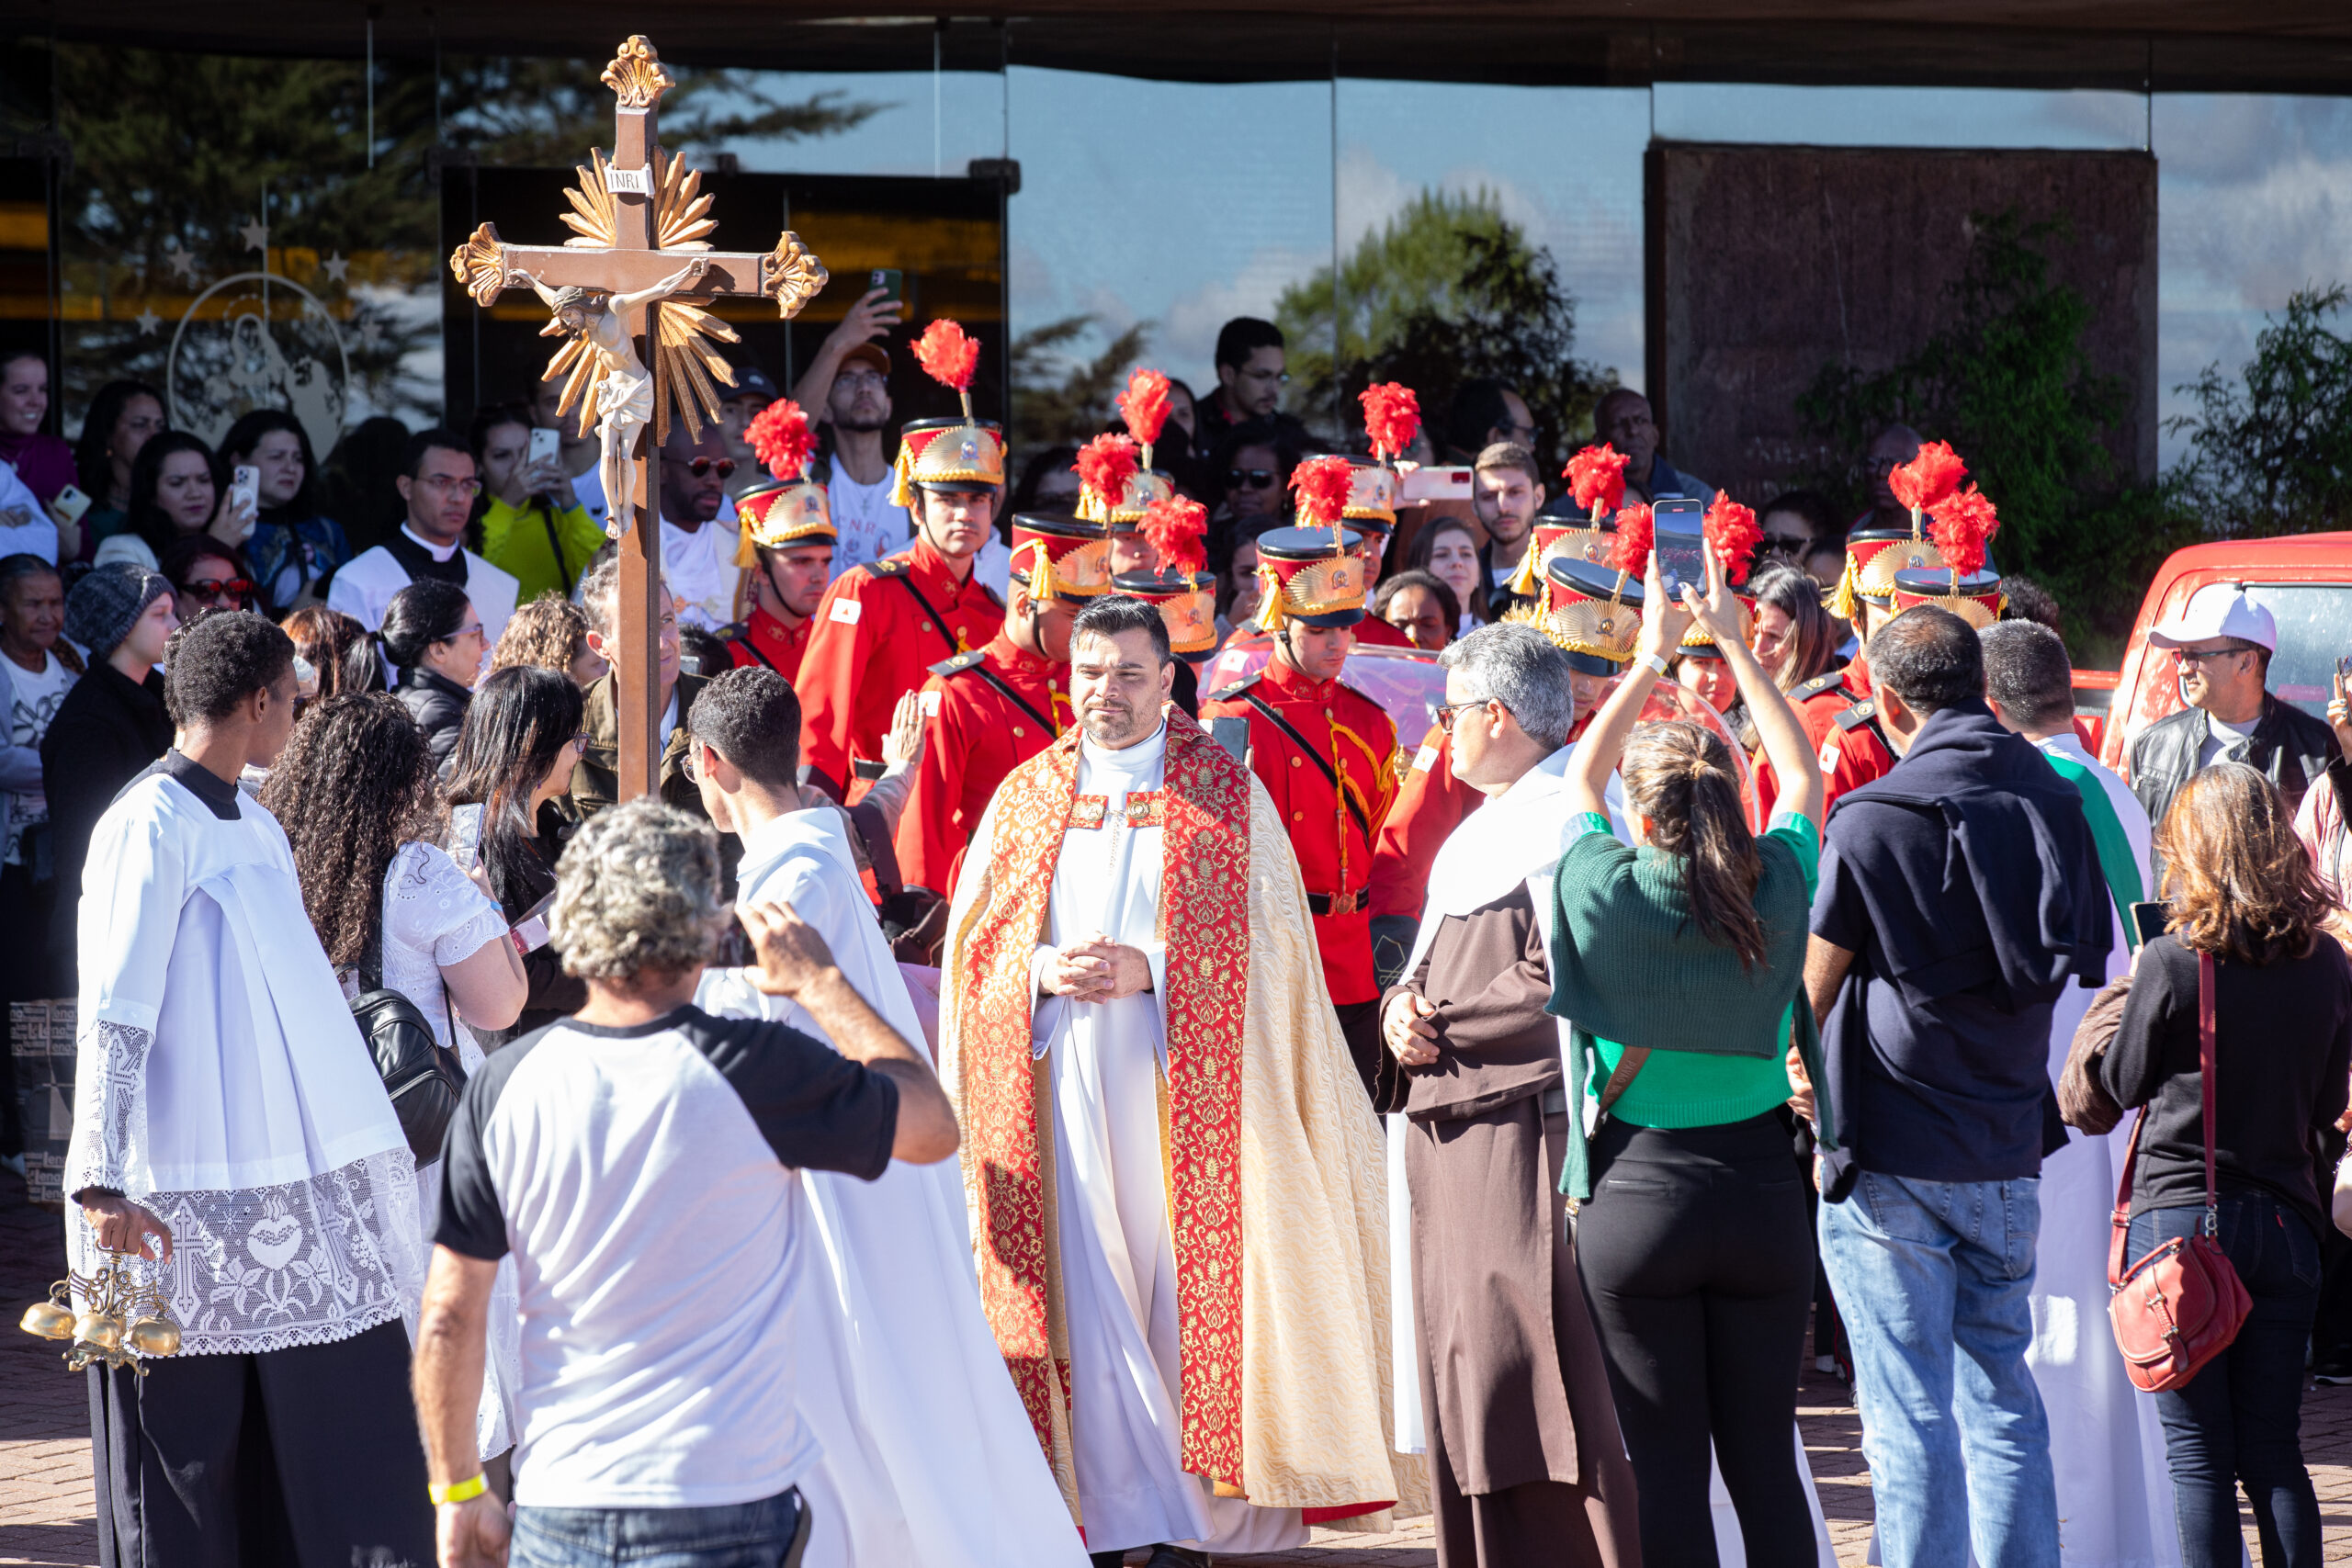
(642,1159)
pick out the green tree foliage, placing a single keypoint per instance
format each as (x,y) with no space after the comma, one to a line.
(1447,290)
(2271,452)
(174,153)
(2007,382)
(1060,401)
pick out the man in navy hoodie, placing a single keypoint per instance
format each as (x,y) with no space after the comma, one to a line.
(1959,894)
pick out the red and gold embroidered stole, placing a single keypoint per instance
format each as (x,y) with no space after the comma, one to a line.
(1204,812)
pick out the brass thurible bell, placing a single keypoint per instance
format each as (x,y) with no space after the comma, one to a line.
(112,1299)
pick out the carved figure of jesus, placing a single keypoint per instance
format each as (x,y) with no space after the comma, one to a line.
(625,391)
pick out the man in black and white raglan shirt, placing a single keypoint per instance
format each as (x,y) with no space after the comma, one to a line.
(439,483)
(642,1159)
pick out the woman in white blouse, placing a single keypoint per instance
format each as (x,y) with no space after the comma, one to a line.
(354,790)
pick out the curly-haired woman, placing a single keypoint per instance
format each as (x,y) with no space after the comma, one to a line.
(550,633)
(2242,893)
(355,790)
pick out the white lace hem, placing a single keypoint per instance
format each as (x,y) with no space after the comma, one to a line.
(267,1269)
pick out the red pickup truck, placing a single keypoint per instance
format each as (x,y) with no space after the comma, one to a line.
(2303,579)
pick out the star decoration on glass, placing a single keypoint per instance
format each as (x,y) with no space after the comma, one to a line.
(335,266)
(148,321)
(182,261)
(257,236)
(372,333)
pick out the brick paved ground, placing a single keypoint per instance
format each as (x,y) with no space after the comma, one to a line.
(45,1442)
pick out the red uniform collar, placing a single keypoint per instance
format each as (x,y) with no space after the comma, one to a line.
(1297,687)
(931,569)
(1013,660)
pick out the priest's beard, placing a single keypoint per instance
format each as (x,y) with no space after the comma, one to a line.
(1114,724)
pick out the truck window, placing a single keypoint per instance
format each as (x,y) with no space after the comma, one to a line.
(2314,630)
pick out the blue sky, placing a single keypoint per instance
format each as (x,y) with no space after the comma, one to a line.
(1183,204)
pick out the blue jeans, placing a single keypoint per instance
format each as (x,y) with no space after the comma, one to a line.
(770,1533)
(2240,1419)
(1932,1279)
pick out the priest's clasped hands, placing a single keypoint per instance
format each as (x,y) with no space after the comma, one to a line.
(1095,970)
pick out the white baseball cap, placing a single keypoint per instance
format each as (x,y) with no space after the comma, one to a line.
(2218,609)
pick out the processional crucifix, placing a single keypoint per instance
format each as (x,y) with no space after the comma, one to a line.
(624,295)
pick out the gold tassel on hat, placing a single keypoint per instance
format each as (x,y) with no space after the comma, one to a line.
(747,549)
(1522,581)
(1272,617)
(902,493)
(1840,601)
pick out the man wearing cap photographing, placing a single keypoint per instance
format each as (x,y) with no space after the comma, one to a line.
(849,384)
(2222,642)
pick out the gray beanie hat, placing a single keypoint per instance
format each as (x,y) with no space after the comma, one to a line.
(108,602)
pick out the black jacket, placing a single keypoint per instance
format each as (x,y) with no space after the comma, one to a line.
(2290,747)
(107,731)
(438,705)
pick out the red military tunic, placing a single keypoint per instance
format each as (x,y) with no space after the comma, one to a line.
(1332,834)
(766,641)
(1840,717)
(1431,804)
(879,629)
(975,733)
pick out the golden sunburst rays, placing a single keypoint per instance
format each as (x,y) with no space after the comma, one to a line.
(682,209)
(691,366)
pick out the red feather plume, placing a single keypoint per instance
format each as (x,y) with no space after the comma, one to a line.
(1321,485)
(1392,414)
(1733,533)
(1928,480)
(1173,527)
(947,354)
(1105,465)
(1631,552)
(1961,527)
(1143,405)
(1596,477)
(781,439)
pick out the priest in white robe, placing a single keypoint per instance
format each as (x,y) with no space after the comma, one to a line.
(230,1127)
(1176,1182)
(927,1456)
(2107,1448)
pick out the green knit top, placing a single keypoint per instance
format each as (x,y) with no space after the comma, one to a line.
(1629,964)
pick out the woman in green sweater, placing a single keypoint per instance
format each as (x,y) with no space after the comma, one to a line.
(1677,964)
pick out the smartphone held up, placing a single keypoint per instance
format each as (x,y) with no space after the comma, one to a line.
(1680,541)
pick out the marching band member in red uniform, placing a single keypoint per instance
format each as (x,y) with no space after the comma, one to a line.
(882,626)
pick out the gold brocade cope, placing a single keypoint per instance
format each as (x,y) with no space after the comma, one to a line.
(1276,1180)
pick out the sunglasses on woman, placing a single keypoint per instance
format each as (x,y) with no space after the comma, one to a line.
(1256,479)
(231,592)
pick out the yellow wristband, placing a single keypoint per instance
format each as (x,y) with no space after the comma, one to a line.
(462,1492)
(1656,662)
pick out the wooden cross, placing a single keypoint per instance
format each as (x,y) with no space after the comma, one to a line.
(640,218)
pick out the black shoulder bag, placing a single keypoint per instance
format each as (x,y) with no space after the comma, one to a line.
(421,1074)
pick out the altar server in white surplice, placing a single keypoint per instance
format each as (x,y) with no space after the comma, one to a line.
(928,1457)
(230,1124)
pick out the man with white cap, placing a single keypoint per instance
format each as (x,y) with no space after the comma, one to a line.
(2222,641)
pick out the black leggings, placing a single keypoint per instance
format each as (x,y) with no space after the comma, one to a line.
(1698,1264)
